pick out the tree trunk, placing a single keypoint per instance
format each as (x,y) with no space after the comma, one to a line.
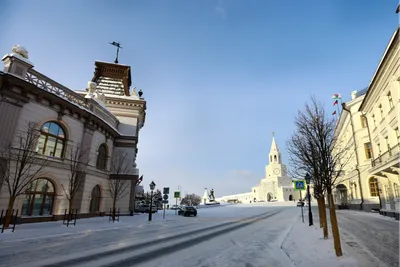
(335,227)
(113,210)
(70,205)
(324,219)
(9,212)
(320,212)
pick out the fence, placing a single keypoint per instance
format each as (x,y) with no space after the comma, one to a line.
(13,221)
(114,215)
(70,218)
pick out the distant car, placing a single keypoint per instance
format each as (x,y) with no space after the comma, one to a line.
(146,208)
(300,204)
(187,211)
(175,207)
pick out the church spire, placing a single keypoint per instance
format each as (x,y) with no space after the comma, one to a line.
(274,154)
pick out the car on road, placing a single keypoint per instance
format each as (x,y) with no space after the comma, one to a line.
(174,207)
(187,211)
(300,204)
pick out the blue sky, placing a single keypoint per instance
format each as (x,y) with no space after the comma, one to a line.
(219,76)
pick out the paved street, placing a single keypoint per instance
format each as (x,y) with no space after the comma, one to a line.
(224,236)
(236,235)
(380,235)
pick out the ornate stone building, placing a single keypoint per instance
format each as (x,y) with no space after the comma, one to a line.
(275,186)
(105,120)
(381,107)
(352,187)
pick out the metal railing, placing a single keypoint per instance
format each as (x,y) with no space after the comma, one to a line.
(393,151)
(45,83)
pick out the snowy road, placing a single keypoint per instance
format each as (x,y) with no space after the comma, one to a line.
(237,235)
(380,235)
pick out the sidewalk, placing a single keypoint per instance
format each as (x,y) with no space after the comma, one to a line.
(51,229)
(306,247)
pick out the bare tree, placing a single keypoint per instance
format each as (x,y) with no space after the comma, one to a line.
(314,149)
(117,184)
(77,164)
(191,200)
(20,165)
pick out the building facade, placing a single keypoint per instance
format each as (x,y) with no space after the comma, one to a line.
(275,186)
(352,189)
(381,108)
(102,122)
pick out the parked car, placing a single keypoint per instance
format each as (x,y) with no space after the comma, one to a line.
(175,207)
(146,208)
(187,211)
(300,204)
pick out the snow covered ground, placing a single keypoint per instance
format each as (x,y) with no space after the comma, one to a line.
(229,235)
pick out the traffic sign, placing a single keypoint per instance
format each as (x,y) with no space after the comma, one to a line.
(299,185)
(177,194)
(166,190)
(165,197)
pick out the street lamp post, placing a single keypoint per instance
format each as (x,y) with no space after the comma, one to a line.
(310,218)
(152,186)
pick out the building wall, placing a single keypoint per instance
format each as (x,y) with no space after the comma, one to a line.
(381,106)
(355,145)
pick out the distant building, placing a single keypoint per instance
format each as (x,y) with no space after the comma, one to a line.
(275,186)
(104,119)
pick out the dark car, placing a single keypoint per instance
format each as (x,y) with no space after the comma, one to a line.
(187,211)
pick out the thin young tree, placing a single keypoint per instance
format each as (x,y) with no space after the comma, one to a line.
(303,157)
(78,160)
(117,184)
(325,161)
(21,164)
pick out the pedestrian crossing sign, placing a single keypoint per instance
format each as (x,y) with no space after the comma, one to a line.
(299,185)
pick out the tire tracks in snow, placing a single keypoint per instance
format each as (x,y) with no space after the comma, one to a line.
(214,230)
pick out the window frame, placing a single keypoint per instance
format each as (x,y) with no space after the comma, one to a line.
(390,99)
(368,151)
(98,162)
(373,187)
(364,122)
(46,135)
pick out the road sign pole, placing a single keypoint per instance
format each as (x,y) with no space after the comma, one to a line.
(164,211)
(302,213)
(176,204)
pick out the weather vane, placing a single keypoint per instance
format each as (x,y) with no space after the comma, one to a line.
(118,45)
(273,133)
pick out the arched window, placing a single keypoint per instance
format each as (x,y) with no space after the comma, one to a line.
(373,187)
(275,158)
(95,199)
(39,198)
(52,140)
(101,162)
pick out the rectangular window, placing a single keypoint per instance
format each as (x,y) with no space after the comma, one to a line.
(363,121)
(387,143)
(381,110)
(389,95)
(368,150)
(397,133)
(379,148)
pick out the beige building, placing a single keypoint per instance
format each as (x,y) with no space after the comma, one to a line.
(105,120)
(381,107)
(352,187)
